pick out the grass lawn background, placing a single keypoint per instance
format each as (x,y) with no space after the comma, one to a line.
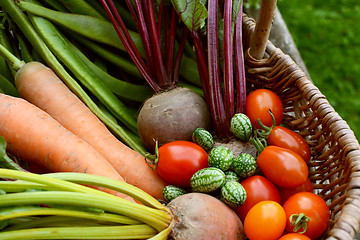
(327,34)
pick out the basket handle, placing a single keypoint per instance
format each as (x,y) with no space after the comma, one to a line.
(260,36)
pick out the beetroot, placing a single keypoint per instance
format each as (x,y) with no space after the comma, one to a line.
(172,115)
(202,217)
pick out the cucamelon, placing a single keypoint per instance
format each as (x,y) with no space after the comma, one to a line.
(233,194)
(220,157)
(241,127)
(231,176)
(203,138)
(244,165)
(207,180)
(171,192)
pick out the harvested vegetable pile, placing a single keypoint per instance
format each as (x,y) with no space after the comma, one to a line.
(132,120)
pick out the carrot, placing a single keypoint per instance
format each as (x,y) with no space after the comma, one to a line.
(39,85)
(34,136)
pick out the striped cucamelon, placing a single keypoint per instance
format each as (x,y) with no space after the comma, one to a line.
(203,138)
(220,157)
(231,176)
(233,194)
(241,127)
(170,192)
(207,180)
(244,165)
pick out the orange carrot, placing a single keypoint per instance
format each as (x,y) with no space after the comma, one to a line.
(40,85)
(34,136)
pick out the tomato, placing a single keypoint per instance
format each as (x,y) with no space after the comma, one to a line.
(259,102)
(266,220)
(283,167)
(258,188)
(285,193)
(294,236)
(314,207)
(286,138)
(179,160)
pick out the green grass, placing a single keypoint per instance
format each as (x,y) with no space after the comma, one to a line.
(327,34)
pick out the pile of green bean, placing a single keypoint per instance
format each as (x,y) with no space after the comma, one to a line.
(62,206)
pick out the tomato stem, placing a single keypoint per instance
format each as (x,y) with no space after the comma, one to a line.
(152,159)
(259,142)
(265,131)
(299,221)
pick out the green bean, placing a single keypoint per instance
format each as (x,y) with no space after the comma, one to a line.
(5,70)
(81,7)
(8,87)
(123,89)
(102,232)
(56,5)
(38,44)
(100,30)
(111,56)
(25,52)
(59,46)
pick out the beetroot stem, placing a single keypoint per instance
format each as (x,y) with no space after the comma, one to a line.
(228,62)
(160,13)
(163,79)
(180,54)
(170,41)
(128,43)
(141,26)
(201,62)
(221,124)
(240,81)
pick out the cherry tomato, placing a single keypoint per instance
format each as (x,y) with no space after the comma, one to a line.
(266,220)
(259,102)
(179,160)
(286,138)
(285,193)
(283,167)
(258,188)
(314,207)
(294,236)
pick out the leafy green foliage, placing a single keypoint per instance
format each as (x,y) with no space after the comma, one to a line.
(328,38)
(192,12)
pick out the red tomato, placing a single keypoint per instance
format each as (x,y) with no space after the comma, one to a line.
(285,193)
(283,167)
(286,138)
(266,220)
(314,207)
(258,188)
(179,160)
(294,236)
(259,102)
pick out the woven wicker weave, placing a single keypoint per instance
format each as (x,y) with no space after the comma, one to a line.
(335,164)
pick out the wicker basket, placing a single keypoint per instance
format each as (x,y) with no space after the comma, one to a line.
(335,163)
